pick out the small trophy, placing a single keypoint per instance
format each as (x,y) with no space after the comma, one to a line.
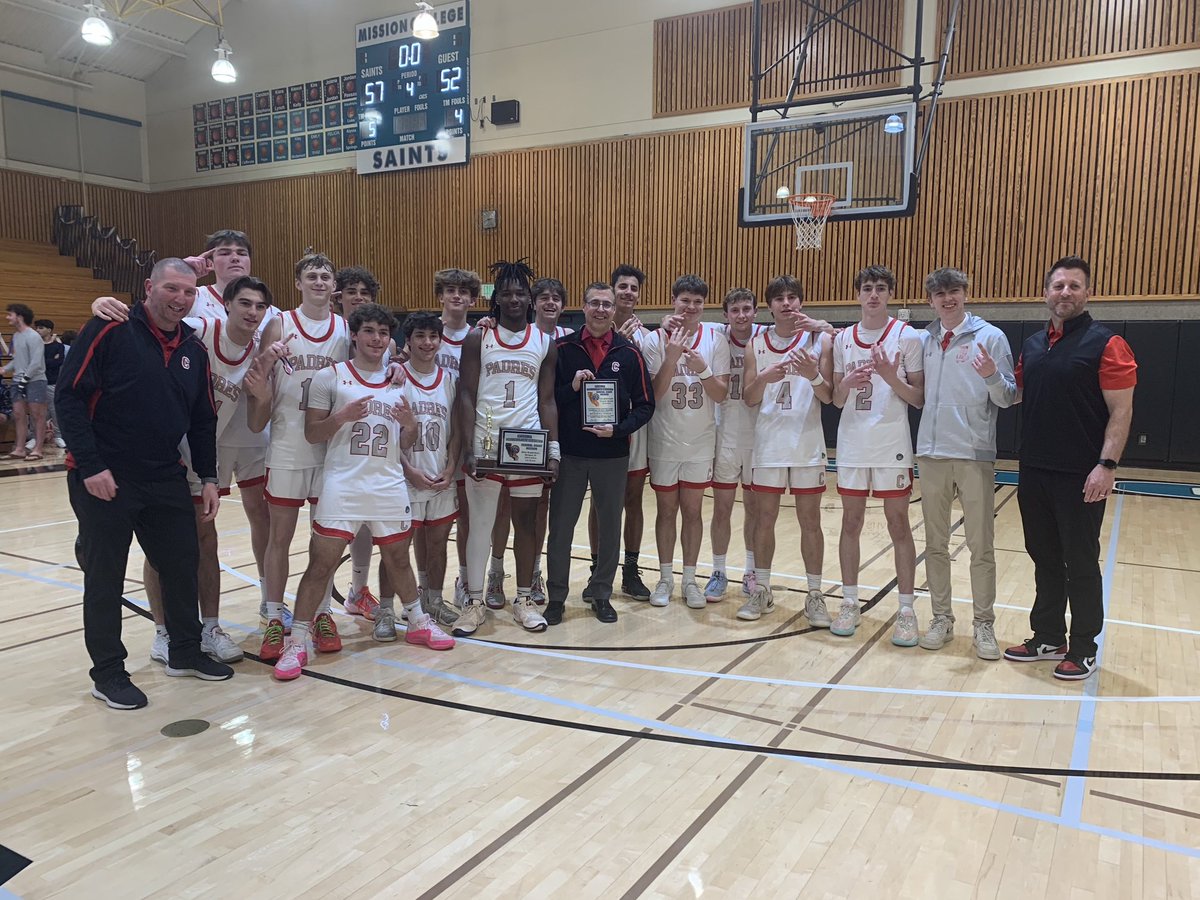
(487,444)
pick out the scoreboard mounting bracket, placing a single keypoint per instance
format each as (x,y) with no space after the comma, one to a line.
(414,96)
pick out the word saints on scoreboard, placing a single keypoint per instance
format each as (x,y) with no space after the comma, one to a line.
(414,101)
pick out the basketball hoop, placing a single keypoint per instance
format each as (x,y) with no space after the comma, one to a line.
(810,212)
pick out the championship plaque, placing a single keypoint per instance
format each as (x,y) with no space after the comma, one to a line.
(521,451)
(600,402)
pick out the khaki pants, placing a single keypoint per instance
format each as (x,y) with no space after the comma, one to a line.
(974,483)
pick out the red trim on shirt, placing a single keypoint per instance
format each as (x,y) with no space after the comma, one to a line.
(886,330)
(524,340)
(439,373)
(1118,368)
(316,340)
(699,334)
(87,359)
(363,381)
(217,346)
(796,339)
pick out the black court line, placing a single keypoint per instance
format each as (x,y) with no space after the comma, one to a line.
(51,637)
(11,863)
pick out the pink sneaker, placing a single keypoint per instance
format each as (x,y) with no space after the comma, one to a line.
(423,630)
(293,660)
(749,583)
(362,603)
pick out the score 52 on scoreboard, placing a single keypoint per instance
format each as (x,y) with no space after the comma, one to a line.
(414,102)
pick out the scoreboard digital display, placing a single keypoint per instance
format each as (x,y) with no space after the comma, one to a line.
(414,99)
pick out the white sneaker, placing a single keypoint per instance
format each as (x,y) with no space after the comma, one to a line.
(662,593)
(848,617)
(760,603)
(31,444)
(385,625)
(940,633)
(473,615)
(160,649)
(985,641)
(220,646)
(526,614)
(904,634)
(692,596)
(816,611)
(60,443)
(493,596)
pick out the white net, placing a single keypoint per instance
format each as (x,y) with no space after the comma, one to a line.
(810,212)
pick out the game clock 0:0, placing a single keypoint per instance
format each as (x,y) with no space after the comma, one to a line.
(413,95)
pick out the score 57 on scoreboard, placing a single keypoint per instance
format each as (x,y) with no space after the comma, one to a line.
(414,99)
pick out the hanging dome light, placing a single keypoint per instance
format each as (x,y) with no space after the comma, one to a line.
(894,124)
(223,70)
(425,26)
(95,30)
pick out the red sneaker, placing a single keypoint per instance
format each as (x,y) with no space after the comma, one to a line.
(325,634)
(362,603)
(1031,650)
(272,644)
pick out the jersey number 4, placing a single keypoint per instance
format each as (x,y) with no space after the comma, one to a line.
(362,435)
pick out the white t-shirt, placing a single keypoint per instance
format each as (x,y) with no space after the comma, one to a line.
(684,426)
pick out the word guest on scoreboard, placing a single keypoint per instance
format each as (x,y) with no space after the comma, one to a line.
(414,99)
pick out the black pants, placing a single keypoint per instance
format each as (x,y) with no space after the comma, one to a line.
(607,478)
(162,515)
(1062,537)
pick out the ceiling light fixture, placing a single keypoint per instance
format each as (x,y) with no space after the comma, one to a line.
(894,124)
(425,26)
(223,70)
(95,30)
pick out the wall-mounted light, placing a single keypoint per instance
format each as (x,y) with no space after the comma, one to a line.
(95,30)
(425,26)
(223,70)
(894,124)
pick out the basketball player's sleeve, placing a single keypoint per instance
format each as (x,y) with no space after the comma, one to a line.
(652,352)
(913,350)
(202,435)
(839,360)
(720,364)
(79,384)
(322,392)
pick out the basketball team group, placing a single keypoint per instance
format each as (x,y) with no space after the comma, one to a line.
(396,433)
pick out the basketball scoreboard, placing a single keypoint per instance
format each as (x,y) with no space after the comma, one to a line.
(414,99)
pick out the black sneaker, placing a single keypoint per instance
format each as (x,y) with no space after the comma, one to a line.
(1032,650)
(119,693)
(631,584)
(1075,668)
(554,613)
(201,666)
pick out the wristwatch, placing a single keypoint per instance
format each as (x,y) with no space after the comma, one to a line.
(1108,463)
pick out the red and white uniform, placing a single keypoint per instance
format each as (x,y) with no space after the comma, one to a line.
(208,304)
(638,459)
(735,420)
(789,442)
(874,432)
(431,397)
(560,331)
(363,480)
(450,353)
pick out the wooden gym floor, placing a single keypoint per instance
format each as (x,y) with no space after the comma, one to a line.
(674,754)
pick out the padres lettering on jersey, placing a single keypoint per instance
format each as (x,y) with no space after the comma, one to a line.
(363,477)
(229,364)
(510,363)
(314,345)
(788,430)
(431,397)
(684,426)
(735,420)
(450,352)
(874,431)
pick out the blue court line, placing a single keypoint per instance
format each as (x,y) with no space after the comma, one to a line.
(8,895)
(1085,726)
(908,784)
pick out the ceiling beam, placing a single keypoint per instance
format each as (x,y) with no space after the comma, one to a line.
(123,30)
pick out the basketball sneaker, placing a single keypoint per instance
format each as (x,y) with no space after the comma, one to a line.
(220,646)
(119,692)
(749,583)
(1032,650)
(292,662)
(537,590)
(423,630)
(1075,668)
(473,614)
(160,648)
(438,609)
(362,603)
(525,614)
(692,596)
(632,585)
(385,625)
(272,642)
(714,591)
(816,611)
(200,666)
(325,634)
(985,641)
(939,633)
(662,593)
(493,596)
(847,619)
(904,634)
(760,603)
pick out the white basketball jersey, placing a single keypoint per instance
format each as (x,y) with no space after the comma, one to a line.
(507,396)
(788,430)
(450,352)
(208,304)
(560,331)
(314,345)
(228,364)
(363,479)
(735,420)
(684,426)
(432,400)
(874,428)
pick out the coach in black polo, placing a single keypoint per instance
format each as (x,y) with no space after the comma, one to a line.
(1076,380)
(595,455)
(128,393)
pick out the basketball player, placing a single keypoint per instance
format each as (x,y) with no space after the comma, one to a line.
(627,282)
(226,256)
(789,374)
(735,448)
(549,297)
(431,463)
(507,381)
(364,423)
(690,366)
(310,338)
(878,372)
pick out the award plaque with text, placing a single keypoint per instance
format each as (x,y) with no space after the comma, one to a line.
(519,451)
(600,402)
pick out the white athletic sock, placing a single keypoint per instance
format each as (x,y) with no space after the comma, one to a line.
(262,589)
(665,573)
(161,630)
(814,581)
(325,603)
(689,575)
(850,593)
(718,564)
(301,633)
(462,575)
(906,602)
(388,602)
(524,593)
(762,576)
(413,608)
(274,610)
(435,597)
(360,560)
(209,622)
(749,561)
(358,578)
(421,583)
(497,565)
